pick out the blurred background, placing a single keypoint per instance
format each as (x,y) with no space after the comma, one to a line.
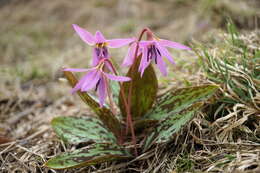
(37,40)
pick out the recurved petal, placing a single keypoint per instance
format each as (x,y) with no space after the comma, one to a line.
(84,35)
(129,58)
(102,93)
(117,78)
(95,58)
(76,69)
(78,86)
(108,66)
(165,53)
(161,65)
(144,63)
(91,81)
(173,44)
(146,42)
(115,43)
(99,37)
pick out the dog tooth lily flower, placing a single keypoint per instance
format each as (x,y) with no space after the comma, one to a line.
(153,49)
(129,58)
(101,44)
(96,78)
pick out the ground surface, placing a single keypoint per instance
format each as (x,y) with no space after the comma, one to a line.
(37,40)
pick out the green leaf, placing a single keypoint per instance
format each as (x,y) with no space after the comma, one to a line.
(104,114)
(115,87)
(142,124)
(75,130)
(164,131)
(144,90)
(177,100)
(93,154)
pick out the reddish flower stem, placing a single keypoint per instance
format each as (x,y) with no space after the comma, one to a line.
(127,102)
(109,93)
(127,109)
(129,119)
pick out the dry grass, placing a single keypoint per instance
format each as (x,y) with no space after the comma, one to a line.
(233,121)
(37,40)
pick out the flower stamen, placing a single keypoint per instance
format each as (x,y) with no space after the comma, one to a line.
(97,85)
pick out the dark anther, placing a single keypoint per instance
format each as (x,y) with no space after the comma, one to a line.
(97,50)
(158,52)
(97,85)
(154,54)
(105,52)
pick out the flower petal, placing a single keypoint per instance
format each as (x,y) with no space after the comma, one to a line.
(91,81)
(165,52)
(115,43)
(173,44)
(84,35)
(108,66)
(77,86)
(99,37)
(76,69)
(146,43)
(129,58)
(144,63)
(161,65)
(95,58)
(117,78)
(102,93)
(81,82)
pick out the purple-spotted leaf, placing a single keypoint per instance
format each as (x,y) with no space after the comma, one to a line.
(76,130)
(104,114)
(165,130)
(144,90)
(115,88)
(93,154)
(177,100)
(142,124)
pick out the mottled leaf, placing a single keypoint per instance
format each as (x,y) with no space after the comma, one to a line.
(144,90)
(144,124)
(77,130)
(177,100)
(164,131)
(104,114)
(93,154)
(115,88)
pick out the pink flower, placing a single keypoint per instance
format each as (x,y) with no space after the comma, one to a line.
(95,78)
(153,50)
(129,58)
(101,44)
